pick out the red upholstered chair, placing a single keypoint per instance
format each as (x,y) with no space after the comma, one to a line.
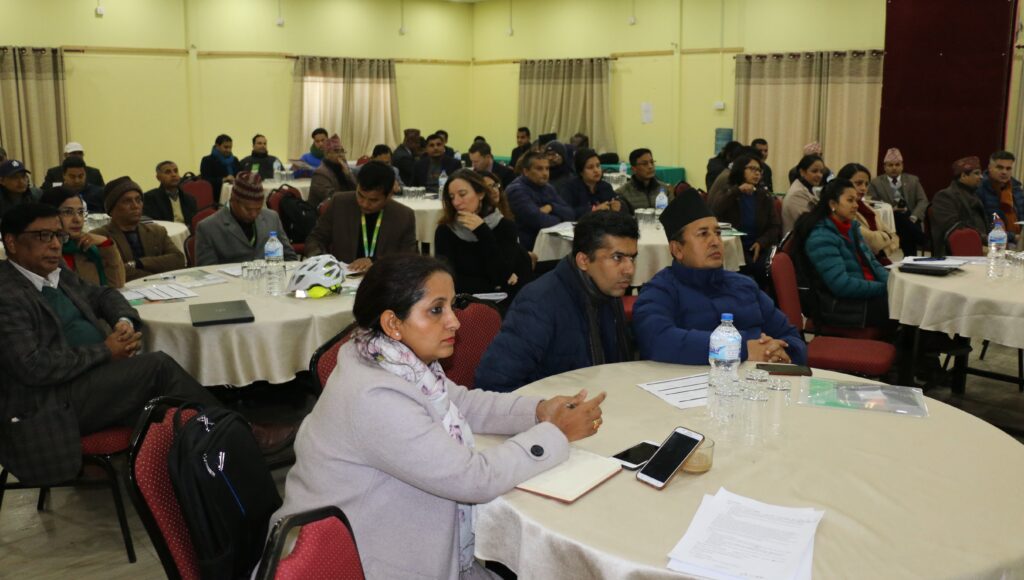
(201,190)
(325,548)
(323,361)
(479,324)
(870,358)
(200,216)
(627,304)
(97,449)
(152,492)
(274,203)
(190,251)
(965,242)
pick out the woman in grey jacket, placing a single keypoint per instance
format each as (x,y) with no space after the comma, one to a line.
(390,441)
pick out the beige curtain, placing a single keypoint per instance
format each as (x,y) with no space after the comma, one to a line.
(796,98)
(355,98)
(852,98)
(566,97)
(33,107)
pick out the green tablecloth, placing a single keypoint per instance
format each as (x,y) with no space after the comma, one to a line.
(670,175)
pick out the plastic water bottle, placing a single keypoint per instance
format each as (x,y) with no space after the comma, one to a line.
(724,358)
(273,253)
(623,168)
(661,201)
(996,248)
(441,180)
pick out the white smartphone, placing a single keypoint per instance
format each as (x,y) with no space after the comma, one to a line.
(636,456)
(667,460)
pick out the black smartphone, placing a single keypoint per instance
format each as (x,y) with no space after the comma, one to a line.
(785,370)
(672,454)
(636,456)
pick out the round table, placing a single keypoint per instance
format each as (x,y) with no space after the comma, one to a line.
(965,303)
(301,184)
(428,212)
(177,232)
(276,346)
(653,253)
(903,497)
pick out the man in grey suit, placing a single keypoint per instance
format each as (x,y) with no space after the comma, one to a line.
(70,364)
(904,193)
(238,231)
(365,224)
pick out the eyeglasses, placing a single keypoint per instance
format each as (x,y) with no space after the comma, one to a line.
(494,186)
(71,212)
(46,236)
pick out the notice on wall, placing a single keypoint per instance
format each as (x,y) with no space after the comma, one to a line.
(646,113)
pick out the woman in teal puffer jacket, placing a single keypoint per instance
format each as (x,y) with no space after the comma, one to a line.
(832,242)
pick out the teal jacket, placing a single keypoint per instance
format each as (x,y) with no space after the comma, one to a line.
(833,257)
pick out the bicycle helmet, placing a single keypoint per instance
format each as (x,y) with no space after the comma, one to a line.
(318,277)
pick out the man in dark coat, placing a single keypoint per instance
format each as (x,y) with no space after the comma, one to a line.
(70,365)
(572,317)
(482,158)
(54,174)
(428,169)
(958,206)
(168,202)
(683,304)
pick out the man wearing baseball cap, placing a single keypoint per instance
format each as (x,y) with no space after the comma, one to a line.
(145,248)
(55,175)
(13,185)
(239,230)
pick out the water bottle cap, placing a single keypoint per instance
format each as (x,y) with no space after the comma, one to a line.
(273,233)
(726,317)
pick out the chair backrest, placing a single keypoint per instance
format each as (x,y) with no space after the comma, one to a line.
(275,197)
(201,215)
(201,190)
(190,250)
(479,324)
(325,548)
(965,242)
(323,361)
(786,292)
(149,484)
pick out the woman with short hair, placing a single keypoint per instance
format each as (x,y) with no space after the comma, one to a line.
(391,441)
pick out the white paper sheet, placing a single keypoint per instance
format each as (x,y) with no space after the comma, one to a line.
(235,270)
(732,536)
(680,392)
(158,292)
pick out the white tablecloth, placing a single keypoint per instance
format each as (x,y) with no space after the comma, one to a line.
(270,185)
(884,213)
(428,212)
(274,348)
(653,252)
(903,497)
(177,232)
(965,303)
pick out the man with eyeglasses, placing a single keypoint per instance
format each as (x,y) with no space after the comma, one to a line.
(641,190)
(572,317)
(145,248)
(13,185)
(682,304)
(70,364)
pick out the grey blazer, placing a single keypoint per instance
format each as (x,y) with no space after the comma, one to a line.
(880,188)
(44,445)
(375,447)
(219,238)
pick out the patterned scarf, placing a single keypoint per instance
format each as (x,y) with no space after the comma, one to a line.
(399,360)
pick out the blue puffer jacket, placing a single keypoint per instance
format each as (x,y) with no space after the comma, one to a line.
(546,332)
(680,307)
(525,198)
(833,257)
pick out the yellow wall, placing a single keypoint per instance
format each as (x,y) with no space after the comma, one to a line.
(132,111)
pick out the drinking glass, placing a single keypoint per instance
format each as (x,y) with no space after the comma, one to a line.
(702,459)
(777,384)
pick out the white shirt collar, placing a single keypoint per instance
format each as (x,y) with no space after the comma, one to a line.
(51,280)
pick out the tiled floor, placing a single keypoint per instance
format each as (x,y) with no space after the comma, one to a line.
(78,534)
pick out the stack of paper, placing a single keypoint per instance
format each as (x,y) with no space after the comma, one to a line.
(158,292)
(564,229)
(681,392)
(567,482)
(732,536)
(934,262)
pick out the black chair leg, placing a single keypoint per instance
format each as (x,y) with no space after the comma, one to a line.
(984,349)
(44,492)
(3,485)
(115,490)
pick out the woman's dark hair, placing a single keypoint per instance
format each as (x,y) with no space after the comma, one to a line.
(851,169)
(379,150)
(582,156)
(822,210)
(589,233)
(503,206)
(222,138)
(449,214)
(56,196)
(807,161)
(396,283)
(737,176)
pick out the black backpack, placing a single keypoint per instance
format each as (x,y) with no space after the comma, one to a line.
(298,218)
(225,490)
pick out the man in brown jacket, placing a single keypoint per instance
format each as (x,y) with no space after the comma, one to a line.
(958,205)
(145,248)
(365,224)
(332,176)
